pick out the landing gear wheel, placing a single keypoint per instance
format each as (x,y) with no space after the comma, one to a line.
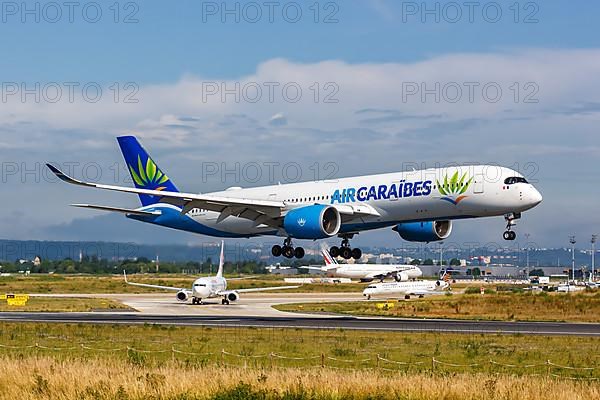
(356,254)
(407,297)
(334,251)
(225,302)
(288,252)
(510,219)
(509,235)
(276,250)
(346,253)
(299,252)
(369,297)
(194,301)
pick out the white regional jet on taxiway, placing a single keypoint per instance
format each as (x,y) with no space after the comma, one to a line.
(419,205)
(209,287)
(417,288)
(367,272)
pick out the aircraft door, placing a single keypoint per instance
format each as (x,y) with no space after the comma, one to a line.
(478,184)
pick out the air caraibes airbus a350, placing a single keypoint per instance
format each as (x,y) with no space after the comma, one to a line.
(419,205)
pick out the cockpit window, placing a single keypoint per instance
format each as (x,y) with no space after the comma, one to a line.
(371,287)
(515,179)
(200,284)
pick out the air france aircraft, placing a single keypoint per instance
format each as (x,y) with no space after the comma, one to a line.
(367,272)
(207,288)
(407,289)
(419,205)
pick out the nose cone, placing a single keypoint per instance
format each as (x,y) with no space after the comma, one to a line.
(535,197)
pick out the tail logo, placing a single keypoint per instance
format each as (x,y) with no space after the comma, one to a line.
(148,176)
(452,189)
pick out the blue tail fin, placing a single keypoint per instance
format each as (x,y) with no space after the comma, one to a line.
(144,171)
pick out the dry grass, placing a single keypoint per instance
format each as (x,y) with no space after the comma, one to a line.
(58,367)
(60,304)
(577,307)
(48,378)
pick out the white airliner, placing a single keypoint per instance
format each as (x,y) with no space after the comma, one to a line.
(367,272)
(209,287)
(406,289)
(419,205)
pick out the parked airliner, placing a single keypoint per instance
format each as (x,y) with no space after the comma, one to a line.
(367,272)
(419,205)
(209,287)
(417,288)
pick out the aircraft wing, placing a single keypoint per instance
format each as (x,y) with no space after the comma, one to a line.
(241,278)
(259,211)
(424,292)
(155,286)
(323,269)
(226,292)
(381,274)
(268,212)
(116,209)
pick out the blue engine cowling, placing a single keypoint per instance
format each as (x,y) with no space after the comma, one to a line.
(312,222)
(430,231)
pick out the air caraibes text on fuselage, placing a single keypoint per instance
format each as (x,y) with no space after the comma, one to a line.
(382,192)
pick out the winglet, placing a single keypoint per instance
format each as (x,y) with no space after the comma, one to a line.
(125,275)
(64,177)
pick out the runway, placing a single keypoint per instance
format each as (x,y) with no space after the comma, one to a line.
(383,324)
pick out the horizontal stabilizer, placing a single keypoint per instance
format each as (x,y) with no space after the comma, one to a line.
(116,209)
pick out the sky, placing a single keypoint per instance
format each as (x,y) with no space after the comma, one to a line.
(247,93)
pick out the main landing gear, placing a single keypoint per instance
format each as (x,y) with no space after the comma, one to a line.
(509,234)
(225,302)
(345,251)
(196,300)
(288,250)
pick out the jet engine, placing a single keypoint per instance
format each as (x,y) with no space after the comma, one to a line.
(430,231)
(233,296)
(312,222)
(182,296)
(401,277)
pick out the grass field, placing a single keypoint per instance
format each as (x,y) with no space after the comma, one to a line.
(61,361)
(71,304)
(578,307)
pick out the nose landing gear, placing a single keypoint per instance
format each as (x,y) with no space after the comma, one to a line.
(345,251)
(288,251)
(509,234)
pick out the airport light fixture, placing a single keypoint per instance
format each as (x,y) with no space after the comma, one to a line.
(594,237)
(573,241)
(527,250)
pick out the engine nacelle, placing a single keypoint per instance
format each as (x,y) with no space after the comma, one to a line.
(182,296)
(312,222)
(430,231)
(233,296)
(401,277)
